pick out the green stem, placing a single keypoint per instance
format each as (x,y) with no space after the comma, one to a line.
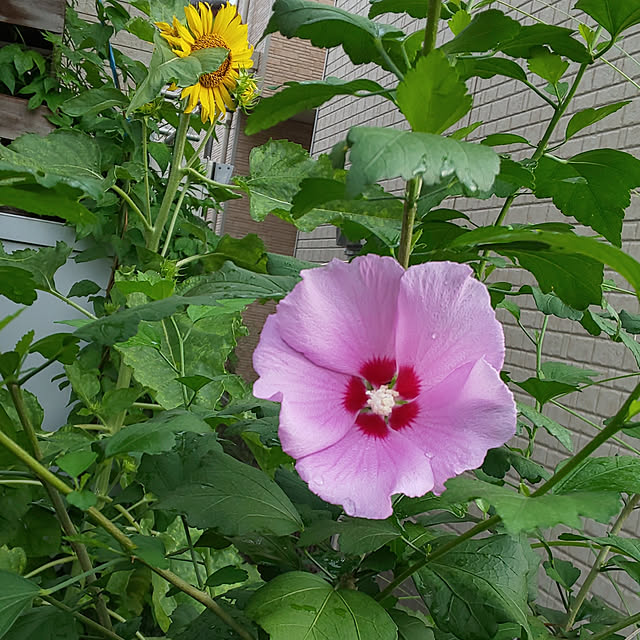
(431,29)
(52,491)
(599,563)
(79,577)
(148,405)
(575,414)
(48,565)
(202,144)
(198,177)
(617,422)
(92,624)
(434,555)
(134,207)
(71,303)
(192,552)
(391,65)
(38,369)
(540,94)
(412,194)
(145,159)
(539,343)
(174,218)
(127,544)
(173,182)
(573,543)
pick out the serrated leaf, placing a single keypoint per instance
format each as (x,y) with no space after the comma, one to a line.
(44,623)
(567,373)
(303,606)
(155,435)
(521,513)
(378,154)
(476,586)
(587,117)
(431,96)
(613,15)
(593,187)
(614,473)
(489,67)
(151,550)
(16,595)
(77,462)
(213,489)
(83,288)
(83,500)
(328,26)
(498,139)
(364,536)
(563,243)
(548,66)
(300,96)
(553,428)
(551,305)
(415,8)
(459,21)
(562,571)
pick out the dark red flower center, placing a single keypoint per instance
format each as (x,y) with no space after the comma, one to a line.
(383,397)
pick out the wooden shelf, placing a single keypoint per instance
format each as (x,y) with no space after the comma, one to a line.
(17,119)
(46,15)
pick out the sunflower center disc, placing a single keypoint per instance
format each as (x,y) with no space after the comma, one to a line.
(210,41)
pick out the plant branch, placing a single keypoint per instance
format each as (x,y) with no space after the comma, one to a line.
(136,209)
(412,193)
(192,552)
(92,624)
(73,304)
(198,177)
(623,624)
(391,65)
(599,563)
(201,146)
(174,218)
(431,28)
(145,159)
(173,182)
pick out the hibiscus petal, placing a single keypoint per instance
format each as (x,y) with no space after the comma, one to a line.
(445,320)
(343,315)
(313,415)
(362,472)
(460,419)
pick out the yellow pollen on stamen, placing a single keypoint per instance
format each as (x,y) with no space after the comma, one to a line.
(215,78)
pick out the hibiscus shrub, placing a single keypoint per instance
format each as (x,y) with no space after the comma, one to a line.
(368,486)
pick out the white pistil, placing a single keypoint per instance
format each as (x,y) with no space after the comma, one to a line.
(382,400)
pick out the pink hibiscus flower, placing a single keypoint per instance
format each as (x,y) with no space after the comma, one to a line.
(388,379)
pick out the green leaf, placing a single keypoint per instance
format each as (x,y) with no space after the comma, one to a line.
(303,606)
(551,305)
(165,67)
(562,243)
(567,373)
(410,627)
(545,390)
(593,187)
(213,489)
(83,500)
(498,139)
(327,26)
(459,21)
(60,200)
(548,66)
(614,473)
(32,270)
(485,32)
(16,595)
(630,322)
(562,571)
(156,435)
(227,575)
(77,462)
(490,67)
(360,536)
(83,288)
(613,15)
(587,117)
(527,41)
(498,462)
(63,157)
(13,560)
(630,546)
(300,96)
(94,101)
(553,428)
(44,623)
(415,8)
(378,153)
(151,550)
(11,317)
(62,347)
(521,513)
(476,586)
(431,96)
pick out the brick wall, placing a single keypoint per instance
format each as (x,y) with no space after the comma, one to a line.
(504,105)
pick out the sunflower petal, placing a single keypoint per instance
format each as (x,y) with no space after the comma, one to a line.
(193,20)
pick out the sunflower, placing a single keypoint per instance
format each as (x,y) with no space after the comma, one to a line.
(214,90)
